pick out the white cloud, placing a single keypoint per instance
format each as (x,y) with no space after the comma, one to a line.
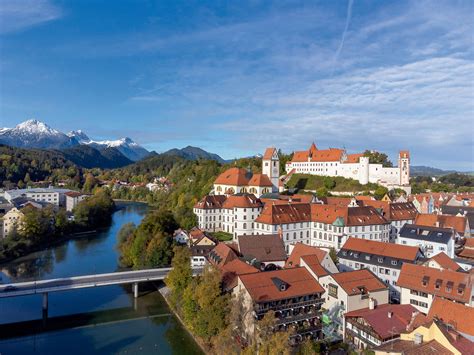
(17,15)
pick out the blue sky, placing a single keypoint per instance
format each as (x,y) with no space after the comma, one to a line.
(235,77)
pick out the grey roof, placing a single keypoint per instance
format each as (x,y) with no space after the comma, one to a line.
(263,247)
(20,192)
(430,234)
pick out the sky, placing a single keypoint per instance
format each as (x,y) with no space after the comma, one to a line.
(235,77)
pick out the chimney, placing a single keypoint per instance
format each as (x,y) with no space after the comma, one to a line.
(371,303)
(280,232)
(390,314)
(418,339)
(437,224)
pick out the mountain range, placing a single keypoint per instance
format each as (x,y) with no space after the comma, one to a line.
(37,134)
(194,153)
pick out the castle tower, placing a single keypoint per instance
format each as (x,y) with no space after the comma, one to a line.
(404,166)
(364,170)
(271,167)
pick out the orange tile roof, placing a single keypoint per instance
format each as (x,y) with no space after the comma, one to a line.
(331,154)
(404,154)
(284,213)
(338,201)
(269,153)
(359,282)
(232,270)
(395,211)
(210,202)
(299,250)
(313,263)
(234,177)
(262,288)
(353,158)
(260,180)
(468,249)
(397,251)
(221,255)
(364,198)
(412,276)
(242,201)
(352,216)
(455,314)
(445,262)
(458,223)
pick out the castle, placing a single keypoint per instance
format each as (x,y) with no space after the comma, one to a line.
(336,162)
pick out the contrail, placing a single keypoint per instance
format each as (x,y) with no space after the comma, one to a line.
(348,21)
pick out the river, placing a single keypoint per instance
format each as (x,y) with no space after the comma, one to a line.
(103,320)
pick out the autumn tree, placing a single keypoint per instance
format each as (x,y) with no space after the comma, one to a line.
(180,276)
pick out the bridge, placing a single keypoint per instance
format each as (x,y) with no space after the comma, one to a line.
(76,282)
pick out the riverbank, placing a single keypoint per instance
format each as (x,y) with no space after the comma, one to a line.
(164,291)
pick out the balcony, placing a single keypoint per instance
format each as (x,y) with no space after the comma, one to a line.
(261,309)
(301,317)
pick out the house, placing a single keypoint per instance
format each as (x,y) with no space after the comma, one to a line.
(293,294)
(442,262)
(199,254)
(268,251)
(180,236)
(336,162)
(462,211)
(433,337)
(221,254)
(367,328)
(420,284)
(299,251)
(459,223)
(12,220)
(431,240)
(53,195)
(385,260)
(457,315)
(350,291)
(73,198)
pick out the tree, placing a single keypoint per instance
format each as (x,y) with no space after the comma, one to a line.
(378,158)
(90,183)
(329,183)
(380,192)
(322,192)
(180,276)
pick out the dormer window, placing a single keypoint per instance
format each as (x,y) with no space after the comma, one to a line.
(344,253)
(425,281)
(449,286)
(356,255)
(280,284)
(367,257)
(461,288)
(380,260)
(438,284)
(394,262)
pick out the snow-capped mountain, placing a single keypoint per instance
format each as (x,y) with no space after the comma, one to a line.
(126,146)
(36,134)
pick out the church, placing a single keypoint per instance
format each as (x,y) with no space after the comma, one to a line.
(239,180)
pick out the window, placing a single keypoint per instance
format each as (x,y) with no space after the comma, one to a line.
(380,260)
(332,290)
(394,262)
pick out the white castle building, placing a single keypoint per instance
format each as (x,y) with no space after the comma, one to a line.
(336,162)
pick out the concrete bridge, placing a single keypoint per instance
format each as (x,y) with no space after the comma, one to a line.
(97,280)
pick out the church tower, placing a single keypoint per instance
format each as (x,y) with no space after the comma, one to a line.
(404,166)
(271,167)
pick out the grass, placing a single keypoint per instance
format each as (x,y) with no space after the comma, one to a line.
(222,236)
(338,183)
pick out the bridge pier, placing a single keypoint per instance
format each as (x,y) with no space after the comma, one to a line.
(135,289)
(45,305)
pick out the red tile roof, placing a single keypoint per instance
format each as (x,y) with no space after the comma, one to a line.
(268,153)
(446,262)
(242,201)
(380,321)
(404,154)
(234,177)
(284,213)
(262,288)
(444,221)
(461,317)
(412,277)
(315,155)
(359,282)
(211,202)
(393,211)
(232,270)
(299,250)
(353,158)
(397,251)
(313,263)
(352,216)
(221,255)
(260,180)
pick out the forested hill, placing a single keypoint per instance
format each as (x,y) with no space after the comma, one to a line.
(20,166)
